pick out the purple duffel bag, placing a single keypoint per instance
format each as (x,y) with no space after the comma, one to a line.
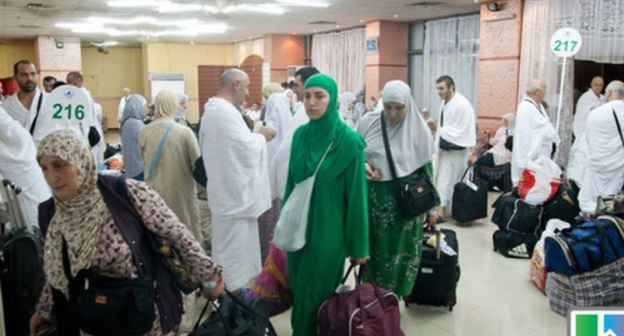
(367,310)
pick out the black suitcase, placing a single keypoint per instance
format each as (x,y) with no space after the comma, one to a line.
(470,199)
(438,275)
(21,264)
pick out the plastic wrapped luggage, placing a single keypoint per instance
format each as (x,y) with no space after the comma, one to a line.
(438,274)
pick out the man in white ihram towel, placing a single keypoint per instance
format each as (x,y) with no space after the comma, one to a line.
(457,127)
(605,155)
(590,100)
(534,135)
(238,180)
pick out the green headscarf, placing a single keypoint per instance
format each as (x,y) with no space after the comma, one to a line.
(312,139)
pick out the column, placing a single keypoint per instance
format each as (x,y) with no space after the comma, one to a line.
(57,56)
(389,62)
(281,51)
(499,63)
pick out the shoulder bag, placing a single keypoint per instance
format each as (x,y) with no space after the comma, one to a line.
(159,150)
(414,196)
(292,224)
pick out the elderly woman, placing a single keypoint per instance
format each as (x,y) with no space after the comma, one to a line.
(338,217)
(395,241)
(131,124)
(84,235)
(346,104)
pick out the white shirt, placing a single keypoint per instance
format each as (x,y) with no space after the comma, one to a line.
(457,122)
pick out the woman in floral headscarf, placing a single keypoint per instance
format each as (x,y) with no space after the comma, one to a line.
(94,240)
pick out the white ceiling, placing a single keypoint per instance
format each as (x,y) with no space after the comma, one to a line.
(18,22)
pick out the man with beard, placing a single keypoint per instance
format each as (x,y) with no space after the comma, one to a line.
(25,104)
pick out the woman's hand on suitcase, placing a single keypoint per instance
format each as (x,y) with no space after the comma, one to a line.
(431,222)
(359,261)
(37,323)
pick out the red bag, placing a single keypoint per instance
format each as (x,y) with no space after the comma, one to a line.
(273,283)
(537,270)
(367,310)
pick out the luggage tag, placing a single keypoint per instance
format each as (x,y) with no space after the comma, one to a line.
(472,185)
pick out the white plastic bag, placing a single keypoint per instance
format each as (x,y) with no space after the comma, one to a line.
(290,231)
(540,181)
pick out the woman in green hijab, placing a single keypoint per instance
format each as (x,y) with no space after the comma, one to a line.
(338,217)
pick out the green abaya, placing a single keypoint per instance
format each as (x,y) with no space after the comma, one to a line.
(338,217)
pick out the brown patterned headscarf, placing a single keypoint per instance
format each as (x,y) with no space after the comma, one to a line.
(79,219)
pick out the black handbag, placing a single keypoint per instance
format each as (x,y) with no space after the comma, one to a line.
(415,195)
(468,203)
(447,145)
(104,306)
(235,317)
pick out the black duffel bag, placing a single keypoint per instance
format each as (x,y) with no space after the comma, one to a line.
(470,199)
(235,317)
(513,244)
(515,215)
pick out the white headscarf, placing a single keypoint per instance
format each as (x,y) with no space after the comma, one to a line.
(344,101)
(411,142)
(277,117)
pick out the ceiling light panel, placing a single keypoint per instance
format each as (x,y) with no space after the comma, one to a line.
(303,3)
(138,3)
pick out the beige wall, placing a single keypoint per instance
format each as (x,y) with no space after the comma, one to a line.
(105,76)
(13,51)
(167,58)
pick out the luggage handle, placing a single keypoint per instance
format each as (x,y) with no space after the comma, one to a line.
(438,246)
(358,282)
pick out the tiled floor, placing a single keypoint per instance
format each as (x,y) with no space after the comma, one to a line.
(495,296)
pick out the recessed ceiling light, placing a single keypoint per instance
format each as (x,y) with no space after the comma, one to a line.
(396,15)
(361,21)
(303,3)
(337,26)
(315,30)
(192,42)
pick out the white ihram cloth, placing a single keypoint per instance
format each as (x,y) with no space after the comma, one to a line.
(577,162)
(459,128)
(21,114)
(277,117)
(500,153)
(533,136)
(238,188)
(411,142)
(605,164)
(281,160)
(19,164)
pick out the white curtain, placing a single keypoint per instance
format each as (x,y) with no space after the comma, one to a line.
(451,48)
(342,55)
(601,24)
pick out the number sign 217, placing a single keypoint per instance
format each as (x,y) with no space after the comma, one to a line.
(568,46)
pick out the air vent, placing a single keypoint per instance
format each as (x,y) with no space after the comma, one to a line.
(41,7)
(424,4)
(323,23)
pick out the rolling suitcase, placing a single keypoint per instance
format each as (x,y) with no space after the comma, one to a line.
(21,264)
(438,274)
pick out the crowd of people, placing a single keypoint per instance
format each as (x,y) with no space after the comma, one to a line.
(253,160)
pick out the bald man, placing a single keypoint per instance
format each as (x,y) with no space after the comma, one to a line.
(605,155)
(238,179)
(590,100)
(534,134)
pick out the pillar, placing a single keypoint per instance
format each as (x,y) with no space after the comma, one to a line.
(499,63)
(390,61)
(280,51)
(52,59)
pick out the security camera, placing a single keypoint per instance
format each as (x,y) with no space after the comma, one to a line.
(102,50)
